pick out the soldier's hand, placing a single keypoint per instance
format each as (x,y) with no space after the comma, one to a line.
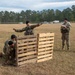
(40,24)
(63,26)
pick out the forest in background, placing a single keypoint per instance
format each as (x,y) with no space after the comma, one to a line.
(37,16)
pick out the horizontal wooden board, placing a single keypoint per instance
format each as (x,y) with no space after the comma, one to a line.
(45,59)
(46,42)
(27,43)
(46,45)
(46,34)
(28,46)
(27,57)
(28,53)
(44,56)
(45,52)
(45,39)
(26,40)
(27,50)
(26,37)
(44,49)
(27,61)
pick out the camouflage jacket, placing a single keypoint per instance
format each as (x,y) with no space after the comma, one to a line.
(7,48)
(28,30)
(65,29)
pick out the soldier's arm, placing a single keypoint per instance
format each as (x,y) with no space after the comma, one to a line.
(63,23)
(63,26)
(61,29)
(69,24)
(6,48)
(34,26)
(19,30)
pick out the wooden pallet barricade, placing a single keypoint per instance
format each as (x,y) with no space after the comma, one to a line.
(45,46)
(34,48)
(26,49)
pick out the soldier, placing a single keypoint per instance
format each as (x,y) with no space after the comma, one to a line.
(65,29)
(9,49)
(13,39)
(28,29)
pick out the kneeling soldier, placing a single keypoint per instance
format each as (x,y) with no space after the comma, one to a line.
(9,53)
(9,50)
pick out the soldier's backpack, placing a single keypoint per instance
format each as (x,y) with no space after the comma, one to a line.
(65,30)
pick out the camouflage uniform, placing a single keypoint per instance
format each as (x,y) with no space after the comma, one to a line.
(65,34)
(9,53)
(28,30)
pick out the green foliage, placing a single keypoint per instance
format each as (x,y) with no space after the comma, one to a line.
(37,16)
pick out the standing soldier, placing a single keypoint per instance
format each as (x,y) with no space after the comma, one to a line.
(28,29)
(65,29)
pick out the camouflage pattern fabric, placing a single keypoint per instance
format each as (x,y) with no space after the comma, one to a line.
(28,30)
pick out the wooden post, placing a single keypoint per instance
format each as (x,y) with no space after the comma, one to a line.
(16,54)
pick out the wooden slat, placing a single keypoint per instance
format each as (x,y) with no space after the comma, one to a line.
(47,45)
(26,37)
(28,53)
(46,34)
(45,59)
(44,49)
(29,43)
(45,39)
(44,56)
(28,46)
(27,50)
(46,42)
(27,57)
(31,46)
(44,52)
(28,61)
(26,40)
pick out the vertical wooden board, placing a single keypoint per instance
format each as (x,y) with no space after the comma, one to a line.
(37,46)
(16,54)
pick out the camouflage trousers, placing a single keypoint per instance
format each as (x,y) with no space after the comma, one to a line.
(65,38)
(10,56)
